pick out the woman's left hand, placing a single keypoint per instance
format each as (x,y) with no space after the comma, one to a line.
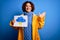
(42,15)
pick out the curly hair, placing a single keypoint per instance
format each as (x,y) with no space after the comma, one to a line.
(24,4)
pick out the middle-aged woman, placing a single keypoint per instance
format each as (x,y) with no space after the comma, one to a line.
(35,22)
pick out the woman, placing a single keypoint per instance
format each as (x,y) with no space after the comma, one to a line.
(34,23)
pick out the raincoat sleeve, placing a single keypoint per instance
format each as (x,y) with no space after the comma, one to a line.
(41,22)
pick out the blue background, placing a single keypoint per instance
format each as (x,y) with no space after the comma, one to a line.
(51,29)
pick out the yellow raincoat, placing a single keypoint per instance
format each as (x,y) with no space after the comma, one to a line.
(37,23)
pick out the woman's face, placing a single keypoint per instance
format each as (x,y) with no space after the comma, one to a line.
(28,7)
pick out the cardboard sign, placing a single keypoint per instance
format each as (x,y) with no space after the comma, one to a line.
(21,21)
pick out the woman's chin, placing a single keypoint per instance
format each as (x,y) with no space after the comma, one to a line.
(28,11)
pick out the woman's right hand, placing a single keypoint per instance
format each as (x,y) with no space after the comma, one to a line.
(12,23)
